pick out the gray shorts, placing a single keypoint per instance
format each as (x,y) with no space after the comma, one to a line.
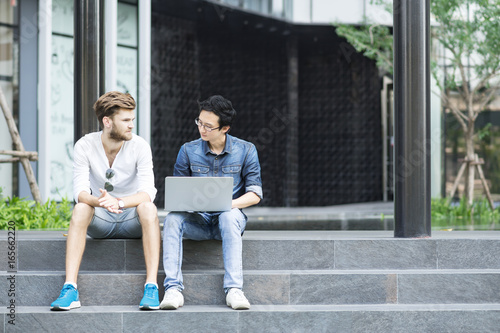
(105,224)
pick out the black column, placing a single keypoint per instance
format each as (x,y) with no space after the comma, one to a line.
(89,63)
(292,135)
(412,118)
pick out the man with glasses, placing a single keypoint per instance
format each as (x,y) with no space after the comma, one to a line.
(113,186)
(215,154)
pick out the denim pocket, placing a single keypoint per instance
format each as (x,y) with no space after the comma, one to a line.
(231,168)
(199,169)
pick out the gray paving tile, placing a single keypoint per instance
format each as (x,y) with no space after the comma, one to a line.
(469,253)
(72,321)
(4,252)
(385,254)
(342,289)
(105,255)
(134,255)
(295,321)
(288,254)
(200,289)
(39,290)
(202,255)
(449,288)
(178,321)
(267,288)
(425,321)
(42,254)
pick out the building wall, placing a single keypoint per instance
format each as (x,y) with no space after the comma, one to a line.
(340,156)
(339,139)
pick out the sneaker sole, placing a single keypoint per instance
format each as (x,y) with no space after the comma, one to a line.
(240,307)
(170,306)
(73,305)
(147,307)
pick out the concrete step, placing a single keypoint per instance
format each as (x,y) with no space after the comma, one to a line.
(261,318)
(276,250)
(271,287)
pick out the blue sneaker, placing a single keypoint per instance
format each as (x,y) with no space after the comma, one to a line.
(67,300)
(151,300)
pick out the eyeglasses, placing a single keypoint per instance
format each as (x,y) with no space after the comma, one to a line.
(110,173)
(200,124)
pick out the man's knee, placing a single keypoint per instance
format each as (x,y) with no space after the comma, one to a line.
(146,208)
(230,220)
(82,214)
(147,212)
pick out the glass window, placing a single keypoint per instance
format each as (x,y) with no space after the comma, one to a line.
(6,12)
(8,84)
(61,114)
(127,25)
(278,8)
(261,6)
(62,17)
(61,118)
(6,53)
(127,52)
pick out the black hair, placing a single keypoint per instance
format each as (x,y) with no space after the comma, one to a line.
(221,107)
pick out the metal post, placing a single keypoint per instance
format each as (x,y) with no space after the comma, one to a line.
(412,118)
(89,63)
(28,79)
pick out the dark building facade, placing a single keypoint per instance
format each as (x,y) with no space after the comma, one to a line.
(311,108)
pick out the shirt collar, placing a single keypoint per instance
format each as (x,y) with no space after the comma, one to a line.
(227,148)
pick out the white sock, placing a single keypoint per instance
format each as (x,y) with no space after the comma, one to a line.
(151,283)
(71,283)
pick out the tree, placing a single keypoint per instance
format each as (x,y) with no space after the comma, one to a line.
(469,33)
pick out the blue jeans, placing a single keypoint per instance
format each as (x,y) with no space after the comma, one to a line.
(225,226)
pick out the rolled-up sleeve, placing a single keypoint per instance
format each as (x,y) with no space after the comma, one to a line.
(145,175)
(251,173)
(81,171)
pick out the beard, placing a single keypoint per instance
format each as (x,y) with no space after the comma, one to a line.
(117,136)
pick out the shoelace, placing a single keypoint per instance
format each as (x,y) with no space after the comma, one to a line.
(171,292)
(239,294)
(66,290)
(150,291)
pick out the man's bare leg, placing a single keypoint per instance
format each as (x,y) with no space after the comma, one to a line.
(77,237)
(148,216)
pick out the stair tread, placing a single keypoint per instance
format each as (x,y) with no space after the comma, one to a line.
(280,272)
(275,308)
(295,235)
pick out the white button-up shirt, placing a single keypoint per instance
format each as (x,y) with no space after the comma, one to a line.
(133,167)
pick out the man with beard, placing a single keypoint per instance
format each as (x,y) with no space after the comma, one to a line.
(113,185)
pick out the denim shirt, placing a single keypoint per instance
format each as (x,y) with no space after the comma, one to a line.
(238,160)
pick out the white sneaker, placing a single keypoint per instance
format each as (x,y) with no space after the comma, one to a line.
(172,300)
(236,299)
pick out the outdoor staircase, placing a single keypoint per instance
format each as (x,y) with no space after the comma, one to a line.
(296,281)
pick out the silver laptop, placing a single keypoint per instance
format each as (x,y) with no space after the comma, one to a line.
(198,194)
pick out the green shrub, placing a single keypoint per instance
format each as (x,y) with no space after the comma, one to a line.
(461,216)
(29,215)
